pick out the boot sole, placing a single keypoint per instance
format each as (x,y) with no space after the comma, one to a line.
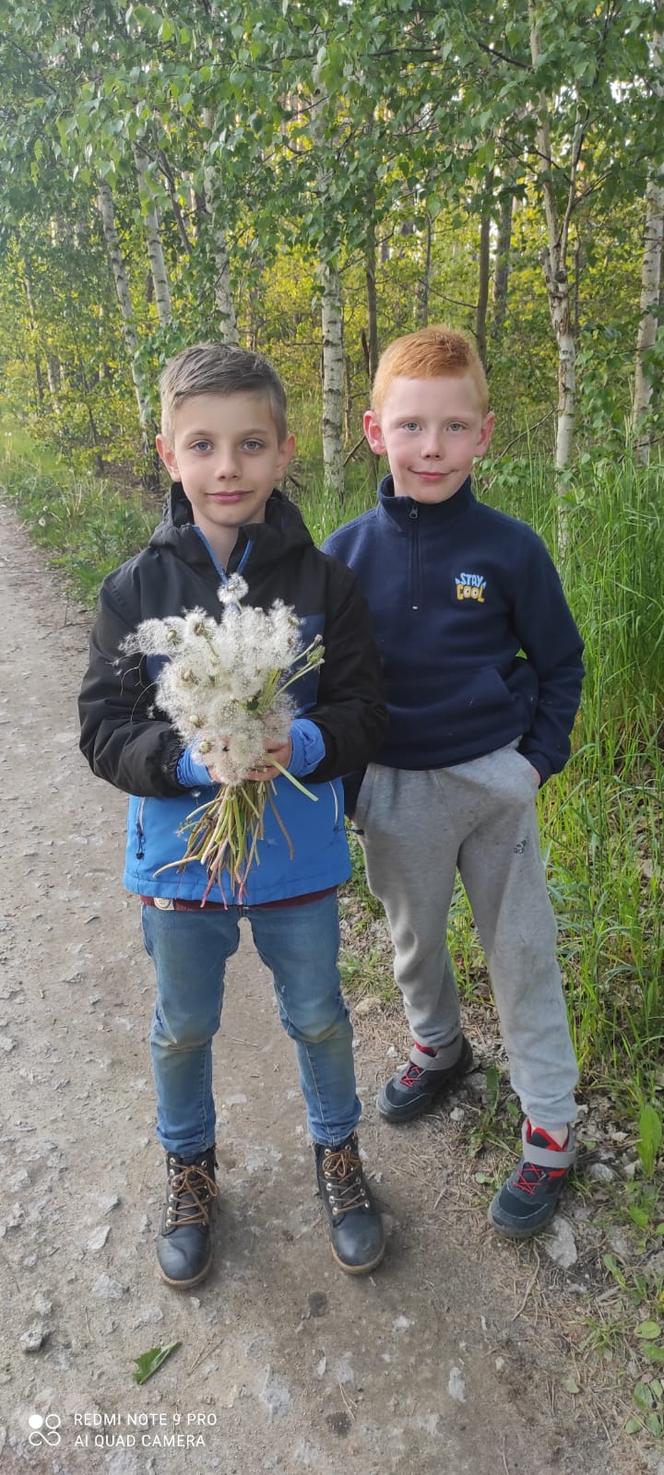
(359,1269)
(413,1109)
(185,1285)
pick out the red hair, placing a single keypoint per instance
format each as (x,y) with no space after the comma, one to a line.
(431,353)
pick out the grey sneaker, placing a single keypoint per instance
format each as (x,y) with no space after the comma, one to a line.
(527,1202)
(412,1090)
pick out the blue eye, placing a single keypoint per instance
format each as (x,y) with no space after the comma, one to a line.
(253,445)
(201,445)
(456,425)
(410,425)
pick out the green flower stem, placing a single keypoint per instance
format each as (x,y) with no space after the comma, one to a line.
(290,776)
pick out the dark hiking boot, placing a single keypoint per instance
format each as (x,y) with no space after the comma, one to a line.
(354,1223)
(413,1089)
(527,1202)
(184,1243)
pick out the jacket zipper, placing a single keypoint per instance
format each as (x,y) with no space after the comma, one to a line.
(337,826)
(140,836)
(415,590)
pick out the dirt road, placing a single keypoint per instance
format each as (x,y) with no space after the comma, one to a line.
(433,1365)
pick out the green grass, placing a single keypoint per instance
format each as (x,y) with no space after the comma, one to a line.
(86,525)
(600,818)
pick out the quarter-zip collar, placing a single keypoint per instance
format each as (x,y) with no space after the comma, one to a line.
(404,512)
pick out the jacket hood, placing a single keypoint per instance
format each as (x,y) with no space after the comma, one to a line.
(282,531)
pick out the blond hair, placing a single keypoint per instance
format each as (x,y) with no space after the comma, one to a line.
(219,368)
(430,353)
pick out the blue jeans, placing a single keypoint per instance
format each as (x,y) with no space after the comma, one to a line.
(299,945)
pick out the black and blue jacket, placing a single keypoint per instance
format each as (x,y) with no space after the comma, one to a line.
(341,716)
(478,644)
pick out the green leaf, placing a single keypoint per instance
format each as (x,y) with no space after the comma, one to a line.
(648,1330)
(492,1089)
(148,1362)
(652,1353)
(654,1424)
(613,1267)
(633,1426)
(639,1215)
(643,1396)
(650,1137)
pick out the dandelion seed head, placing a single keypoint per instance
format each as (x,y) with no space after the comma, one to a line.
(233,590)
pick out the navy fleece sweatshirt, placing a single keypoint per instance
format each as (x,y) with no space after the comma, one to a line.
(478,644)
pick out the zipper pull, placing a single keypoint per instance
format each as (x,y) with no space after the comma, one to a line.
(413,512)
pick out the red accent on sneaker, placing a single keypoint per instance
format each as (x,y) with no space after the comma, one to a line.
(411,1075)
(531,1173)
(426,1050)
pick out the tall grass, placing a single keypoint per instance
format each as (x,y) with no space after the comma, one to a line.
(600,819)
(87,525)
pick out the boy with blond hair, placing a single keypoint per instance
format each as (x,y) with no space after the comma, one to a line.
(483,667)
(225,442)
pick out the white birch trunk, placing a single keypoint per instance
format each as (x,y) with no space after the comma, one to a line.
(555,271)
(152,224)
(332,328)
(107,212)
(223,295)
(502,267)
(651,278)
(333,380)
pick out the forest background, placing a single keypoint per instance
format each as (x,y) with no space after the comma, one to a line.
(311,181)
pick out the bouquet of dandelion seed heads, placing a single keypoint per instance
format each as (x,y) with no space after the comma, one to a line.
(224,688)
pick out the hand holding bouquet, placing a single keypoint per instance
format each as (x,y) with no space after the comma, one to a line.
(225,688)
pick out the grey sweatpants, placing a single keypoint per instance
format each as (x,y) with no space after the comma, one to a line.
(416,828)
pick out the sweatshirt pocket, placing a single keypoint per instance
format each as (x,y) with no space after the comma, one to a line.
(487,692)
(529,771)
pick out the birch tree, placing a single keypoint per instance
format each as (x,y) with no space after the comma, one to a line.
(554,255)
(223,295)
(502,261)
(152,227)
(651,277)
(121,280)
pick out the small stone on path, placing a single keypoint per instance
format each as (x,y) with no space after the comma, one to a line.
(107,1289)
(456,1385)
(34,1337)
(99,1238)
(560,1244)
(601,1173)
(275,1396)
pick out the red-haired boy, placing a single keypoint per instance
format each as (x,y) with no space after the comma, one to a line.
(483,666)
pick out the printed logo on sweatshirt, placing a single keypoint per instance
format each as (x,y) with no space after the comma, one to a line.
(470,586)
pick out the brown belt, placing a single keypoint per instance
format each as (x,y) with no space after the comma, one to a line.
(172,904)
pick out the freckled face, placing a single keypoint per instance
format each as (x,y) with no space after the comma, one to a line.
(227,454)
(431,430)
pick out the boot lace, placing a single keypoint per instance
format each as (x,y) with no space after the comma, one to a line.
(344,1180)
(191,1189)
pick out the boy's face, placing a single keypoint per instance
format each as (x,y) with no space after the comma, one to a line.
(431,430)
(227,454)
